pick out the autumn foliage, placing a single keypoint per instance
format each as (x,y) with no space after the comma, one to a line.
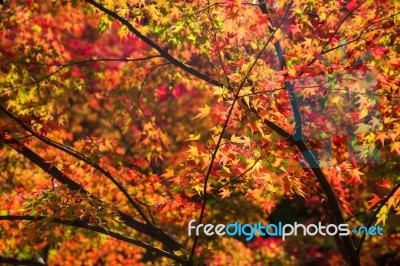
(121,121)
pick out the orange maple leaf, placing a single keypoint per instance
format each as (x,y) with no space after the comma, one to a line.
(225,193)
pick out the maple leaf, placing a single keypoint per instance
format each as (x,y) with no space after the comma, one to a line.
(351,5)
(382,216)
(395,147)
(379,51)
(194,137)
(225,193)
(376,123)
(116,102)
(374,201)
(239,62)
(268,205)
(385,184)
(362,128)
(203,112)
(294,29)
(394,200)
(382,136)
(170,173)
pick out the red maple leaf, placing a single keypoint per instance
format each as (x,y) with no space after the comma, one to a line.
(351,5)
(373,202)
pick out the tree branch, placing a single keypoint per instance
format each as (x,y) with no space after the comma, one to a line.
(152,44)
(350,255)
(373,217)
(225,126)
(325,51)
(93,60)
(62,66)
(334,33)
(98,229)
(81,157)
(147,229)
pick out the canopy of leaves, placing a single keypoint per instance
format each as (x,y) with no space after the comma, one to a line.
(121,121)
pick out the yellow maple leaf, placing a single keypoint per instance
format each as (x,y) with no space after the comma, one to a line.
(194,137)
(382,216)
(395,147)
(169,173)
(203,112)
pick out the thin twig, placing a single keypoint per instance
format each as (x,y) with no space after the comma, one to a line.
(62,66)
(373,217)
(224,128)
(91,60)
